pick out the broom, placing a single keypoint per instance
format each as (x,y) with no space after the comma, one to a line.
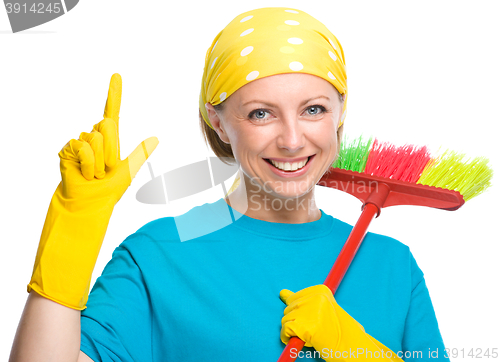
(380,174)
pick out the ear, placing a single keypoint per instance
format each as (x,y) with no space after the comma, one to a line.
(216,123)
(340,134)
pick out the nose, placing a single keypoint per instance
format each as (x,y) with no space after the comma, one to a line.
(291,137)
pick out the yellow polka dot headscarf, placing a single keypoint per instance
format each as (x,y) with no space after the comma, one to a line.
(269,41)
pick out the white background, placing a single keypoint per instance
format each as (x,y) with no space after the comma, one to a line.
(422,72)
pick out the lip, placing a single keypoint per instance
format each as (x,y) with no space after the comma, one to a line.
(291,160)
(288,174)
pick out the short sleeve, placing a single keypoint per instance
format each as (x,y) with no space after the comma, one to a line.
(422,339)
(117,323)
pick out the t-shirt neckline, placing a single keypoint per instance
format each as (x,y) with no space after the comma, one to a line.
(302,231)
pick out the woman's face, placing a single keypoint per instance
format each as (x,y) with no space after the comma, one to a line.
(284,117)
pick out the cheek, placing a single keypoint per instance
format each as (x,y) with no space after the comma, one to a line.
(245,142)
(324,134)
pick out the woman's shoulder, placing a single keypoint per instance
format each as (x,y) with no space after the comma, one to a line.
(380,249)
(374,241)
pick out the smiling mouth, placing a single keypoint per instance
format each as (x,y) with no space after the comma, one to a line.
(287,166)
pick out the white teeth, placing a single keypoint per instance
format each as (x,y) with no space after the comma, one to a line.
(286,166)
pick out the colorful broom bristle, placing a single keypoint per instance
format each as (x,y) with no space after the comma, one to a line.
(353,154)
(416,165)
(449,171)
(404,163)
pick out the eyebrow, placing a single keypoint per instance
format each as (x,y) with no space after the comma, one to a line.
(273,105)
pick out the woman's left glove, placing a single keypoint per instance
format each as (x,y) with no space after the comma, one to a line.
(313,315)
(93,179)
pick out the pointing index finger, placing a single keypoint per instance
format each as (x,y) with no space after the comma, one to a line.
(113,103)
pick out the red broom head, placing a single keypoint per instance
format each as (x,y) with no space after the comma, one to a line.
(415,164)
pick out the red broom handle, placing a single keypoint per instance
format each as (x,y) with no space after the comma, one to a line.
(371,208)
(350,248)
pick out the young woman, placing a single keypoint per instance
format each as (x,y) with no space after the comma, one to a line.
(237,278)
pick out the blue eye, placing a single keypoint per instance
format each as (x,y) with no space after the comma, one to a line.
(317,107)
(258,112)
(261,112)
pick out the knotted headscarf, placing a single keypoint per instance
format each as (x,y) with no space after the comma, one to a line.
(269,41)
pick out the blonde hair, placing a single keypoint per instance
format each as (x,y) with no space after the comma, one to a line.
(212,139)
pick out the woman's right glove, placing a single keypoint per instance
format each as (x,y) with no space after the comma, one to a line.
(313,315)
(94,178)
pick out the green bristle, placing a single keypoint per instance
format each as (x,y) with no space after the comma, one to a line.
(449,171)
(353,154)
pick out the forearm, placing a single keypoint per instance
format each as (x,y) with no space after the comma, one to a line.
(47,331)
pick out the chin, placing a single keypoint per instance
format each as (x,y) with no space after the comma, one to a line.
(289,189)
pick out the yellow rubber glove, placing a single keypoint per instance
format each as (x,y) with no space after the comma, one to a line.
(94,178)
(313,315)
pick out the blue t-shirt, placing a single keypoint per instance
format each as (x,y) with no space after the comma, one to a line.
(204,286)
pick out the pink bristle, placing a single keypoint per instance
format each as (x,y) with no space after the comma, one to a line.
(404,163)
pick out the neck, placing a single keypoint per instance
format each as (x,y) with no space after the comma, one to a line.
(265,204)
